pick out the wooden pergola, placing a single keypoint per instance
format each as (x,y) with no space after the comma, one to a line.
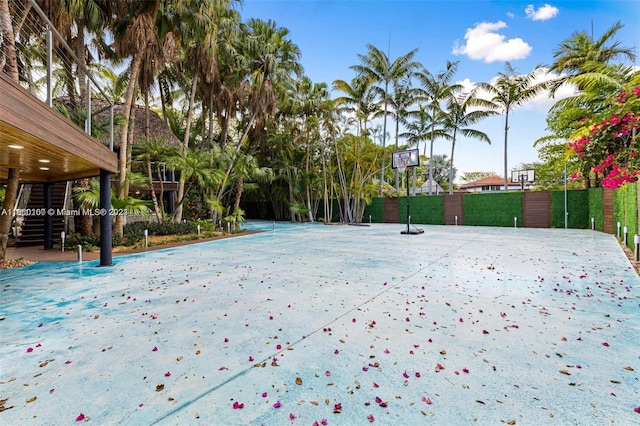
(46,147)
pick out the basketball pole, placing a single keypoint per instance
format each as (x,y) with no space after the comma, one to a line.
(408,214)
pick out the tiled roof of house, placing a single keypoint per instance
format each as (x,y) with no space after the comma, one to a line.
(490,181)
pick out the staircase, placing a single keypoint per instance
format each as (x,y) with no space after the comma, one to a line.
(33,225)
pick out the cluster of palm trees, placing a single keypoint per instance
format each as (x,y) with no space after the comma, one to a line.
(252,126)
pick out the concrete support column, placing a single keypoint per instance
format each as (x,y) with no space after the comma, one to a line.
(106,255)
(47,189)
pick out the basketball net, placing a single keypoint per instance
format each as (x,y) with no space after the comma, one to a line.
(403,161)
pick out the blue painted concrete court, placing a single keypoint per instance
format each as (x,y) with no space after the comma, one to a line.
(338,325)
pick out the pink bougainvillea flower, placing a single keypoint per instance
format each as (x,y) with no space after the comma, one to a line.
(222,368)
(52,390)
(277,404)
(270,317)
(405,374)
(387,351)
(457,373)
(430,341)
(417,374)
(327,373)
(439,367)
(226,340)
(336,352)
(637,410)
(375,385)
(238,405)
(465,370)
(292,416)
(39,345)
(80,417)
(485,332)
(68,362)
(167,374)
(29,350)
(365,368)
(371,418)
(155,349)
(264,394)
(40,325)
(324,422)
(278,347)
(461,320)
(337,408)
(353,320)
(427,400)
(140,405)
(605,344)
(378,400)
(250,358)
(367,404)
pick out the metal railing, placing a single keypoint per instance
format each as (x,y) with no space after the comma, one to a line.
(46,68)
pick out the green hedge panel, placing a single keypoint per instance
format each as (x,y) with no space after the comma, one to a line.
(496,209)
(426,210)
(375,210)
(577,206)
(625,211)
(595,208)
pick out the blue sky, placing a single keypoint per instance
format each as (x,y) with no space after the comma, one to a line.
(480,34)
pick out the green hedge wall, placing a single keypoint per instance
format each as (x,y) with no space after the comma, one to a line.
(497,209)
(426,210)
(577,206)
(595,208)
(625,211)
(376,210)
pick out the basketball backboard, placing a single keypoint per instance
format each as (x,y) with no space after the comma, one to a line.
(404,159)
(522,176)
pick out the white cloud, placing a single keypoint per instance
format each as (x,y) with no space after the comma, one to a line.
(483,42)
(511,15)
(542,14)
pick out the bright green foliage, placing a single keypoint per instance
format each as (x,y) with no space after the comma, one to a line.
(424,210)
(625,210)
(497,209)
(607,142)
(595,208)
(577,206)
(375,210)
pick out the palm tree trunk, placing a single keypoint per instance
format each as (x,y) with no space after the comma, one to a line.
(9,42)
(161,180)
(453,146)
(9,202)
(384,136)
(506,132)
(156,207)
(235,154)
(239,190)
(185,146)
(136,64)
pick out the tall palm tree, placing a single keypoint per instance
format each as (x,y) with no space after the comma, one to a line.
(510,91)
(462,112)
(436,89)
(581,48)
(359,99)
(134,33)
(271,59)
(378,66)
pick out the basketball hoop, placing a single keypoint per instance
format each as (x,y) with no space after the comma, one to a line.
(402,164)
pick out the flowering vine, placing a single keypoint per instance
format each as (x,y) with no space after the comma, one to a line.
(607,142)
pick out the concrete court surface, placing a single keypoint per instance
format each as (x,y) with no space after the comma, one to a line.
(340,325)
